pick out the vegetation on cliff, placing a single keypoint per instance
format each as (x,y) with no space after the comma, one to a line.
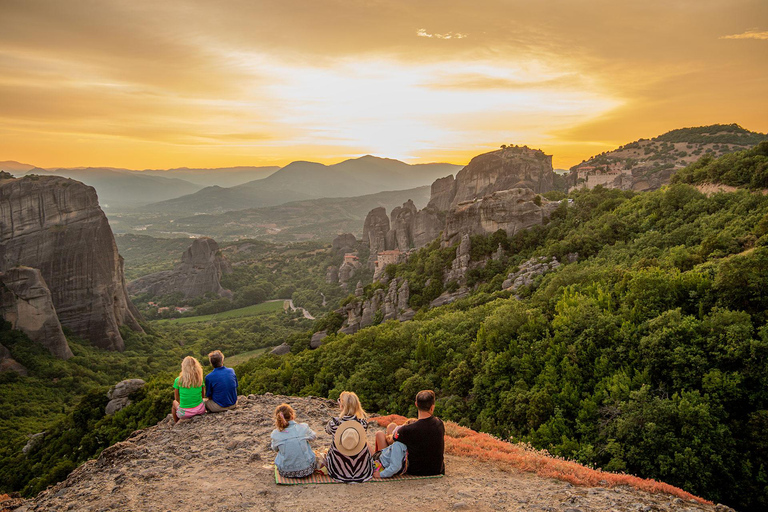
(748,169)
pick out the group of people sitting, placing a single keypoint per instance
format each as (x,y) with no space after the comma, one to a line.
(415,448)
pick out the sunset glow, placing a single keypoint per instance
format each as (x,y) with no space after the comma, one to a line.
(183,83)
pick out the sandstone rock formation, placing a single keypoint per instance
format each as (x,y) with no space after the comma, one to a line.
(460,265)
(487,180)
(381,306)
(511,210)
(528,271)
(375,230)
(55,225)
(199,272)
(118,395)
(344,243)
(348,269)
(512,167)
(25,302)
(332,275)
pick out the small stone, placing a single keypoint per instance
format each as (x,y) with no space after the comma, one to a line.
(460,505)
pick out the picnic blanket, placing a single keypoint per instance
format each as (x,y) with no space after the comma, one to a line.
(321,478)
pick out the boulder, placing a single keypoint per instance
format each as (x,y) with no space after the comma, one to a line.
(317,339)
(448,297)
(199,272)
(119,395)
(528,271)
(25,302)
(55,224)
(359,289)
(33,440)
(281,350)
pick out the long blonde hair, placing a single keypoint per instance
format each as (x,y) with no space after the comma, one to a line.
(191,375)
(350,405)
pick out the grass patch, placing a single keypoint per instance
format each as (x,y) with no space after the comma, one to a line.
(256,309)
(242,357)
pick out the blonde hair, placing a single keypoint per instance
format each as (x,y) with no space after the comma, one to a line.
(350,405)
(283,414)
(191,375)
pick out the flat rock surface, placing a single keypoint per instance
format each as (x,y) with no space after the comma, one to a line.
(223,462)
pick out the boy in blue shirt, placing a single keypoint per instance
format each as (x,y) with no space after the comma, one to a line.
(220,385)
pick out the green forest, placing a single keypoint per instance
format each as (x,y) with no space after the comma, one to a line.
(646,355)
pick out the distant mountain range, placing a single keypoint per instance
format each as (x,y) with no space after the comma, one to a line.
(185,191)
(300,181)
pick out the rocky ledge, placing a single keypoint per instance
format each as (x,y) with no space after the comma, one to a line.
(224,462)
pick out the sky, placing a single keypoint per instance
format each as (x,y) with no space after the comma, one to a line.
(147,84)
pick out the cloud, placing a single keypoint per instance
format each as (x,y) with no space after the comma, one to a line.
(448,35)
(749,34)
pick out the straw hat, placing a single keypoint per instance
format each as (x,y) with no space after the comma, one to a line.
(350,438)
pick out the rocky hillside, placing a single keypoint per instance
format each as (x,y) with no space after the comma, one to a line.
(55,225)
(649,164)
(226,459)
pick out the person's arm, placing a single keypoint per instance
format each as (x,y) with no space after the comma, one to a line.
(330,427)
(207,390)
(275,444)
(397,455)
(311,436)
(176,395)
(203,391)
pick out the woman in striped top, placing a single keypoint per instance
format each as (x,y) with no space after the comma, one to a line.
(347,465)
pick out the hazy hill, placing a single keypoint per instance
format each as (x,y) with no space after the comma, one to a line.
(222,176)
(309,219)
(13,166)
(309,180)
(120,188)
(648,164)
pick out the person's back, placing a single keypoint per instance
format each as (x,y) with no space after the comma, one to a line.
(220,384)
(424,439)
(295,458)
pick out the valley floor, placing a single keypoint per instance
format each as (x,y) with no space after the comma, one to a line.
(224,462)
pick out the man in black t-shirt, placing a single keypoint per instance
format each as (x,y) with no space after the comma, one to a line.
(424,438)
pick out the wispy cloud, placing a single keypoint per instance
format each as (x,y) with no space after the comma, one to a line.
(422,32)
(749,34)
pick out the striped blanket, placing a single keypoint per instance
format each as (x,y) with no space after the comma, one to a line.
(320,478)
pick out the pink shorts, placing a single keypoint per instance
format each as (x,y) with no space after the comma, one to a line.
(188,413)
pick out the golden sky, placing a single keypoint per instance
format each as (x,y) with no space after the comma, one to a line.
(157,84)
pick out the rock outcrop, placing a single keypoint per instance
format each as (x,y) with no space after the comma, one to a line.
(199,272)
(381,306)
(120,393)
(375,230)
(317,339)
(344,243)
(348,269)
(496,190)
(510,210)
(55,224)
(512,167)
(528,271)
(9,364)
(460,265)
(25,302)
(332,275)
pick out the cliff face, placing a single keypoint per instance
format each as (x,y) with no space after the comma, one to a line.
(55,225)
(510,210)
(199,272)
(25,302)
(514,167)
(494,191)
